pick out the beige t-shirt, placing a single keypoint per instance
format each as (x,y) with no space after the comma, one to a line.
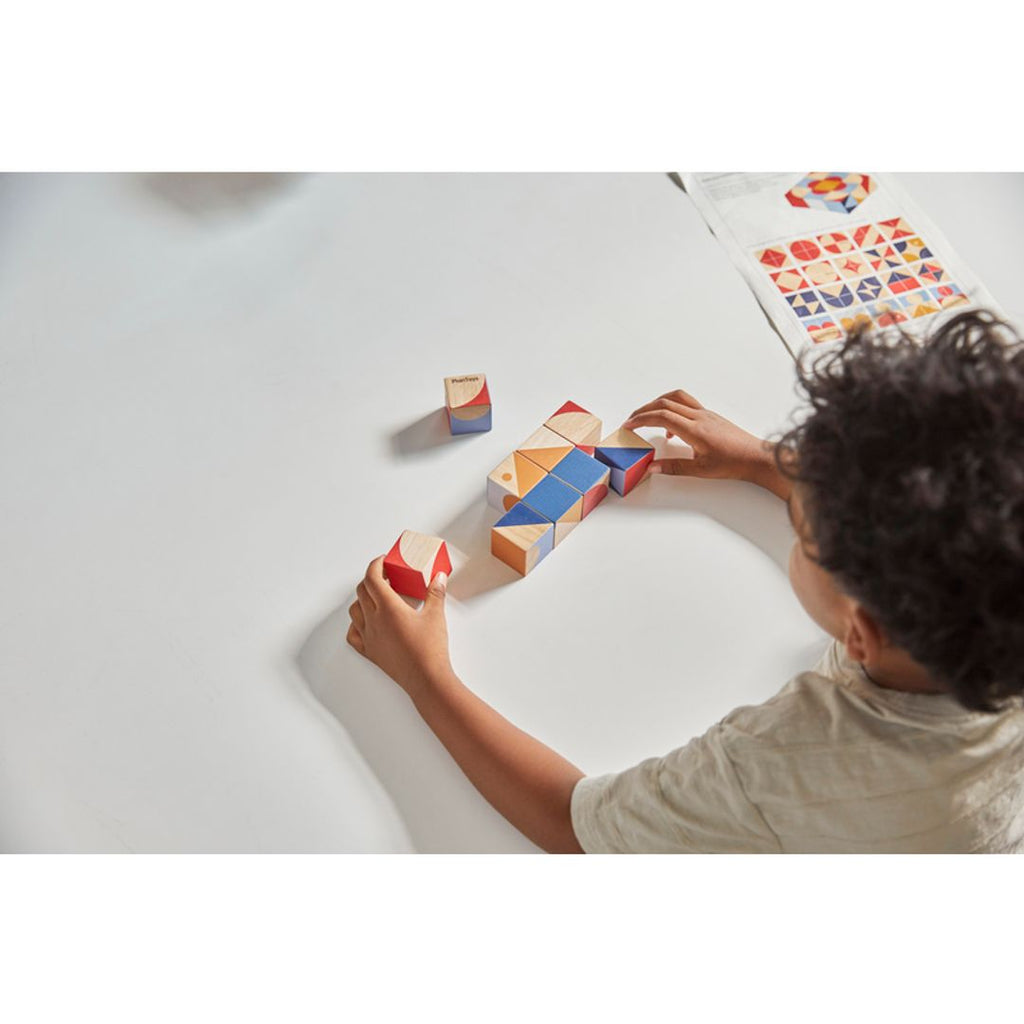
(831,764)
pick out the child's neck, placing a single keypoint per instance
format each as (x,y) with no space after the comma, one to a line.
(896,670)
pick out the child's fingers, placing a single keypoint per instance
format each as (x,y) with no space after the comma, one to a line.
(363,593)
(377,583)
(668,404)
(662,420)
(674,467)
(683,398)
(355,639)
(356,614)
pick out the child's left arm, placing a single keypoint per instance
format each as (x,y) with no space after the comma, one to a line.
(526,781)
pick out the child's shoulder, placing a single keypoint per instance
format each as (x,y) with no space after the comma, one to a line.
(822,705)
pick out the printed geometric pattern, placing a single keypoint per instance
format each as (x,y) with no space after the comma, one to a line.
(930,272)
(949,295)
(774,258)
(883,257)
(804,250)
(868,234)
(831,190)
(822,329)
(881,273)
(821,273)
(835,243)
(805,304)
(854,318)
(853,265)
(913,249)
(887,313)
(837,295)
(895,228)
(900,281)
(788,281)
(920,304)
(868,289)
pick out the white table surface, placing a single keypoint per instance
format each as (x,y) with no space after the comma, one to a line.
(219,399)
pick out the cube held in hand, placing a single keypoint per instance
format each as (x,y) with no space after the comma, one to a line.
(413,562)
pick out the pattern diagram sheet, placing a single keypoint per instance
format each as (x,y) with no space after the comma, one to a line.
(828,250)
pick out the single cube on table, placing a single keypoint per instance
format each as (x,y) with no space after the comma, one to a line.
(557,502)
(627,455)
(511,479)
(467,403)
(585,474)
(413,562)
(578,425)
(522,537)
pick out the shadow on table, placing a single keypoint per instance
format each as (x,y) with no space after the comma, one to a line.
(745,509)
(441,810)
(204,195)
(439,807)
(476,571)
(424,434)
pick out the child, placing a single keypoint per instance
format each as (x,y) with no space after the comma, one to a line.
(905,486)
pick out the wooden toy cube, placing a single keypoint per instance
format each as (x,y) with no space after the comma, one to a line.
(558,502)
(468,404)
(413,562)
(545,448)
(627,455)
(522,537)
(575,424)
(585,474)
(511,479)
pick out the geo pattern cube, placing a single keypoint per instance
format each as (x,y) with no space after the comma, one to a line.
(831,190)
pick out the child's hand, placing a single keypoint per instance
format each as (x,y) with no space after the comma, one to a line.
(721,450)
(410,646)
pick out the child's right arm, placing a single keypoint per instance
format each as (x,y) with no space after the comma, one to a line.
(721,450)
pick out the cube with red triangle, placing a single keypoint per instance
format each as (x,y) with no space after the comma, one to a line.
(627,455)
(413,562)
(576,424)
(467,404)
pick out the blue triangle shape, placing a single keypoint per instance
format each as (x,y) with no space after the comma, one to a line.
(521,515)
(620,458)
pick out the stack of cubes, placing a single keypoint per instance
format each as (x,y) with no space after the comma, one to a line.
(555,479)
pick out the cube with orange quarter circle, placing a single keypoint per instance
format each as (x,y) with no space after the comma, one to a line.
(413,562)
(467,403)
(511,479)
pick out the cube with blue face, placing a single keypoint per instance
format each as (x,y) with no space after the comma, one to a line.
(585,474)
(557,502)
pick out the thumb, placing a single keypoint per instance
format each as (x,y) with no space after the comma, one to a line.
(675,467)
(436,593)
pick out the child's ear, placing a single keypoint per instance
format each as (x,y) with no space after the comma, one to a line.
(864,639)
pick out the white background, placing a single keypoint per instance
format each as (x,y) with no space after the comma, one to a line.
(219,399)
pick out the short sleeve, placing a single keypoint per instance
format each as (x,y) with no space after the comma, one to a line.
(690,801)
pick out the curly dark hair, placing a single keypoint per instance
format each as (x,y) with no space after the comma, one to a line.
(910,466)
